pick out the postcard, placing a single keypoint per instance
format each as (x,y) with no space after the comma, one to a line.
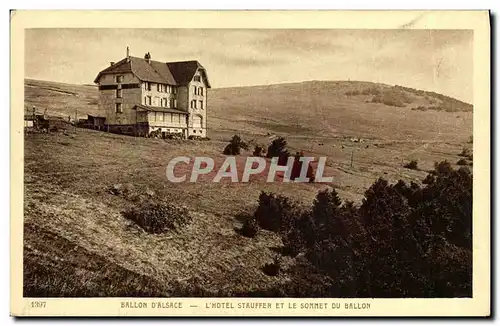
(250,163)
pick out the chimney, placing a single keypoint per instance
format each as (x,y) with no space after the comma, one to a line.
(111,63)
(147,57)
(128,54)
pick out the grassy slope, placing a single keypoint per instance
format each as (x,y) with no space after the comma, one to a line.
(68,207)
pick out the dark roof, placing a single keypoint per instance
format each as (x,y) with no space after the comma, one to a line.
(156,72)
(140,107)
(184,71)
(172,73)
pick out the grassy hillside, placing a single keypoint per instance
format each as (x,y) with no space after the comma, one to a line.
(321,109)
(69,208)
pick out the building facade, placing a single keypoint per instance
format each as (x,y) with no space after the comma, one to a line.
(142,97)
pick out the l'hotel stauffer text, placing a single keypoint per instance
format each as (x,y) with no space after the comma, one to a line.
(247,305)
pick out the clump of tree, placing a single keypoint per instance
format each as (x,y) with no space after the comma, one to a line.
(353,93)
(413,165)
(277,148)
(236,144)
(404,240)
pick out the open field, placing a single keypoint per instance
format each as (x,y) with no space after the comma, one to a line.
(76,239)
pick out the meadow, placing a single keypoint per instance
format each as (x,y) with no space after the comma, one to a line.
(77,242)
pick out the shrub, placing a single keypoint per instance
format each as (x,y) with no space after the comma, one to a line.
(273,268)
(413,164)
(466,152)
(372,91)
(297,167)
(403,241)
(158,217)
(274,211)
(235,145)
(259,150)
(462,162)
(250,228)
(277,148)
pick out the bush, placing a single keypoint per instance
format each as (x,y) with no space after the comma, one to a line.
(412,165)
(250,228)
(235,145)
(466,152)
(274,212)
(403,241)
(277,148)
(258,151)
(462,162)
(158,217)
(297,167)
(272,269)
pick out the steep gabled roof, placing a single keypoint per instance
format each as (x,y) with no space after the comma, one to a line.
(155,71)
(184,71)
(172,73)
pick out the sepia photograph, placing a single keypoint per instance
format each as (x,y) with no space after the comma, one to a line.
(241,163)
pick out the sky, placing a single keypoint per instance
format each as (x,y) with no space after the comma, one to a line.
(434,60)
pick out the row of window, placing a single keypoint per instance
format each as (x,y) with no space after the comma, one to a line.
(161,88)
(196,104)
(172,117)
(197,78)
(163,102)
(198,90)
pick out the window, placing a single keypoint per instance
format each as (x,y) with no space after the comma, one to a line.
(118,93)
(147,86)
(201,104)
(160,116)
(171,117)
(172,103)
(165,102)
(179,118)
(118,108)
(194,131)
(119,79)
(174,89)
(175,103)
(148,100)
(193,104)
(195,90)
(197,78)
(158,87)
(201,91)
